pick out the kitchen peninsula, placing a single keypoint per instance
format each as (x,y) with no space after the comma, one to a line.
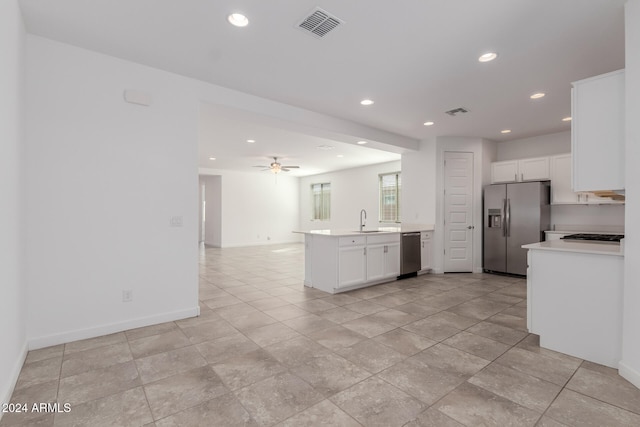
(343,260)
(574,298)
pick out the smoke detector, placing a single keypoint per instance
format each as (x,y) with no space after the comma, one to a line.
(319,23)
(456,111)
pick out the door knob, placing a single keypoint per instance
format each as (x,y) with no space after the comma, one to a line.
(470,227)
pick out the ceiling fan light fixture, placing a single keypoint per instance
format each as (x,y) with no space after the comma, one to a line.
(275,167)
(366,102)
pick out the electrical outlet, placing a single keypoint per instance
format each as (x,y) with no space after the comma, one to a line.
(175,221)
(127,295)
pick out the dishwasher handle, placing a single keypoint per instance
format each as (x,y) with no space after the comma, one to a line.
(411,234)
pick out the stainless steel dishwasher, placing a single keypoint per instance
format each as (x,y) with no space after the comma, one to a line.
(410,258)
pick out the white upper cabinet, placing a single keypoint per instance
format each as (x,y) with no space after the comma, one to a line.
(534,169)
(504,171)
(597,132)
(561,191)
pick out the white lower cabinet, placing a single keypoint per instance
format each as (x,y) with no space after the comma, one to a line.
(383,257)
(337,264)
(392,260)
(352,267)
(426,250)
(574,302)
(383,261)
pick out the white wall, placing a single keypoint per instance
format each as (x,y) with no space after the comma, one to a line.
(213,215)
(538,146)
(12,287)
(257,208)
(419,184)
(351,191)
(550,145)
(483,153)
(103,178)
(630,364)
(423,193)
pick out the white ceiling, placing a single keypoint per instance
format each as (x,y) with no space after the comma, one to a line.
(416,59)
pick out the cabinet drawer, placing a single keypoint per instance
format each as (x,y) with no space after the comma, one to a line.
(383,238)
(352,241)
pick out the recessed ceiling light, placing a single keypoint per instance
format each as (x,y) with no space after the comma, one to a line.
(339,155)
(489,56)
(366,102)
(566,119)
(361,142)
(428,123)
(251,141)
(238,19)
(505,131)
(325,147)
(537,95)
(212,158)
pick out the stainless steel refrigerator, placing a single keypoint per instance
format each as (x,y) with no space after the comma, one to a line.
(514,215)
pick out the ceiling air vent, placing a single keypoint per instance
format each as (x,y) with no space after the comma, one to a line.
(319,23)
(456,111)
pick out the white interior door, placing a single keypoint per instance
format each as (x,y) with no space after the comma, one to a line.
(458,212)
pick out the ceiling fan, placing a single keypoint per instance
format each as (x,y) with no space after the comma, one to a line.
(276,167)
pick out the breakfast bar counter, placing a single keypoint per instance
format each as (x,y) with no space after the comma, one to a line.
(574,298)
(343,260)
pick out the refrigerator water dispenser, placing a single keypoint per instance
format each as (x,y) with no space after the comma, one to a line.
(495,218)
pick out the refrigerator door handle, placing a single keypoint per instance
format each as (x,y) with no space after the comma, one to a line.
(502,217)
(508,217)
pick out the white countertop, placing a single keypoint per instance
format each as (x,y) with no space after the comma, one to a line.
(372,231)
(599,248)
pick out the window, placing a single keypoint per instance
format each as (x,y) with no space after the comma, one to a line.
(321,200)
(390,197)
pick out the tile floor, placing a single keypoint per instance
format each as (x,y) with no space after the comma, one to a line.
(435,350)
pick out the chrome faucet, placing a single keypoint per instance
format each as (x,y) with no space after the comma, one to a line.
(363,221)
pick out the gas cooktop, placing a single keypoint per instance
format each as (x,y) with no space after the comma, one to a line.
(612,238)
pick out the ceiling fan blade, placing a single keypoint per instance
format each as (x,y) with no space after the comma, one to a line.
(291,167)
(261,166)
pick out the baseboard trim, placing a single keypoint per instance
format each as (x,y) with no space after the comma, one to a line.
(5,397)
(80,334)
(628,373)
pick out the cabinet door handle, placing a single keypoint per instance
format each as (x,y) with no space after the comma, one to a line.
(385,249)
(365,251)
(515,176)
(522,177)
